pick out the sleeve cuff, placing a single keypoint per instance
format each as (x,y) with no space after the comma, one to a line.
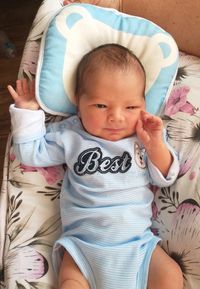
(26,124)
(157,177)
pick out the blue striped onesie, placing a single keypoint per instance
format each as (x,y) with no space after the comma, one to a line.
(105,199)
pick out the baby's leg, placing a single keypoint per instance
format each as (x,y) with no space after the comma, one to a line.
(70,276)
(164,272)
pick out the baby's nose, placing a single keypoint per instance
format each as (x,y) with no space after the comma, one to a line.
(116,116)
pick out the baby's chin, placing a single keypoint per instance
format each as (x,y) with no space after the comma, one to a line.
(113,138)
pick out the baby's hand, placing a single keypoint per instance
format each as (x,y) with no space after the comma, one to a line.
(24,95)
(149,130)
(104,3)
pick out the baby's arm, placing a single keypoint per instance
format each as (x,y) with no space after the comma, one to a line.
(149,130)
(33,144)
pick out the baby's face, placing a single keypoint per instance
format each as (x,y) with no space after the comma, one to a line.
(111,104)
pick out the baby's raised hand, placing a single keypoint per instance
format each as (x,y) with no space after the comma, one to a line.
(24,95)
(149,129)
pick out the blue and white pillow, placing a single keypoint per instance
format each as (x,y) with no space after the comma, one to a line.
(78,28)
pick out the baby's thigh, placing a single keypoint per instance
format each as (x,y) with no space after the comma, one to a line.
(70,271)
(164,272)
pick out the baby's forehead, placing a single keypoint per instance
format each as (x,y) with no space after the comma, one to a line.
(131,67)
(133,71)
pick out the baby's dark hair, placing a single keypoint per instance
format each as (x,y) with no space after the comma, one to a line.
(109,56)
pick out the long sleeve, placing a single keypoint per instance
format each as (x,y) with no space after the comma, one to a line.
(156,176)
(34,144)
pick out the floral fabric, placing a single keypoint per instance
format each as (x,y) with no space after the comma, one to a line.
(176,210)
(29,199)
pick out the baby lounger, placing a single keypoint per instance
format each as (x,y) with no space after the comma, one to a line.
(29,199)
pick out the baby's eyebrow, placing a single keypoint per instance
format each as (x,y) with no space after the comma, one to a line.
(100,99)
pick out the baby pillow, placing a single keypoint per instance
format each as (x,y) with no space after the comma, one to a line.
(78,28)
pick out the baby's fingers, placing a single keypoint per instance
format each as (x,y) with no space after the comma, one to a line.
(13,93)
(146,117)
(141,132)
(25,87)
(32,88)
(150,120)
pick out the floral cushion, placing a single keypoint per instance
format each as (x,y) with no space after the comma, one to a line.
(29,200)
(176,210)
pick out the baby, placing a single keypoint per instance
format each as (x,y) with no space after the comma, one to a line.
(113,149)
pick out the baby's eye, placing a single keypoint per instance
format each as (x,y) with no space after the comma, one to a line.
(131,107)
(100,105)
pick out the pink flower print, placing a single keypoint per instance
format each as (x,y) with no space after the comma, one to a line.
(26,169)
(155,231)
(12,156)
(154,211)
(153,188)
(27,263)
(52,174)
(185,166)
(178,102)
(155,215)
(192,176)
(189,108)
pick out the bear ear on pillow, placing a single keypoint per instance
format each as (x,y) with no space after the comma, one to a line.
(78,28)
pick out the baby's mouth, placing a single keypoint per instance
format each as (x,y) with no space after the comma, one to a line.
(114,130)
